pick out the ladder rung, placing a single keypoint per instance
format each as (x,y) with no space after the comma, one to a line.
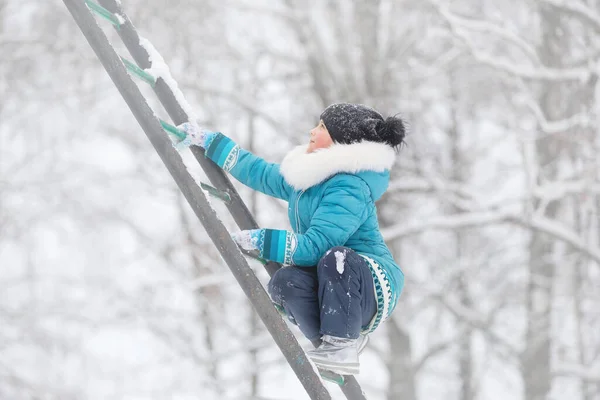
(213,191)
(137,71)
(104,13)
(172,129)
(254,255)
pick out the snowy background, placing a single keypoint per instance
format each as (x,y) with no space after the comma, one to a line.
(111,289)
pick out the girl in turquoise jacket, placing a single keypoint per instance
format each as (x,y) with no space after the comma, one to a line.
(339,281)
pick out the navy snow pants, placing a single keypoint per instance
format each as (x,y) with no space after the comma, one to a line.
(334,298)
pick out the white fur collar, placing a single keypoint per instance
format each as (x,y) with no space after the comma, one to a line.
(303,170)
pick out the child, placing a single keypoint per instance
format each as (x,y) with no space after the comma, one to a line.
(339,281)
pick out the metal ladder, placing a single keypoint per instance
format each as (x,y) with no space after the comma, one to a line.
(222,188)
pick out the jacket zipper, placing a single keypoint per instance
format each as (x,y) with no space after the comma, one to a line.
(297,213)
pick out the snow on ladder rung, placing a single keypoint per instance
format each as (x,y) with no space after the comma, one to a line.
(114,19)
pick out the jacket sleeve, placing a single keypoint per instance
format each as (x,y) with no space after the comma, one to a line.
(341,211)
(247,168)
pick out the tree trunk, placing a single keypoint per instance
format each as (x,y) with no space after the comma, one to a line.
(401,369)
(583,158)
(367,20)
(402,385)
(536,357)
(458,168)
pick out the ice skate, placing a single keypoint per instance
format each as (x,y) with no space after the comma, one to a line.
(339,355)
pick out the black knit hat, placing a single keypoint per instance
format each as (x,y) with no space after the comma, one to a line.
(352,123)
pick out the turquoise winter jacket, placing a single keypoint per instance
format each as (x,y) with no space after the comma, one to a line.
(331,194)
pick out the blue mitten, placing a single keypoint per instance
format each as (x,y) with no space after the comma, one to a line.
(194,136)
(248,239)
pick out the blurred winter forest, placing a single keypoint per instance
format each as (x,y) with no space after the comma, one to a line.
(111,289)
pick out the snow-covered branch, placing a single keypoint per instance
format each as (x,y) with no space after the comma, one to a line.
(587,374)
(471,219)
(437,349)
(580,74)
(561,232)
(578,10)
(236,98)
(456,193)
(451,222)
(580,120)
(409,184)
(556,190)
(277,12)
(536,72)
(475,320)
(482,26)
(6,40)
(430,184)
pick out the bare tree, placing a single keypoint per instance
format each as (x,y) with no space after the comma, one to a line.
(492,210)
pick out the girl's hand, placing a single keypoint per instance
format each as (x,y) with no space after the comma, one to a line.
(248,239)
(194,136)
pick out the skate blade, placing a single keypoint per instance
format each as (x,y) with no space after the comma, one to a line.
(332,376)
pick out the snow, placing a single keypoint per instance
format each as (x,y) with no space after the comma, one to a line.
(160,69)
(556,190)
(111,287)
(340,258)
(120,18)
(115,159)
(210,280)
(586,373)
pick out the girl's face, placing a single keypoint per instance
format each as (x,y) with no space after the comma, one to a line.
(319,138)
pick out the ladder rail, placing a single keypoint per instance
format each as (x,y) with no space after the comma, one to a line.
(236,206)
(238,209)
(218,233)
